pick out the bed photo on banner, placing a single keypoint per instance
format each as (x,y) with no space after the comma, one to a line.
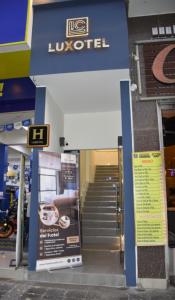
(59,224)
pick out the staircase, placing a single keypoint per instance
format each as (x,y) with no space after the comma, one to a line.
(99,222)
(100,232)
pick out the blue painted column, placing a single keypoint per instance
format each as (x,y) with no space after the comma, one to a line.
(129,226)
(3,169)
(33,226)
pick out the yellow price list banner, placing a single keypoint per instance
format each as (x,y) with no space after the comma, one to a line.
(149,199)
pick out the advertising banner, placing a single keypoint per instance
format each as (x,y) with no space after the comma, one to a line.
(149,198)
(59,227)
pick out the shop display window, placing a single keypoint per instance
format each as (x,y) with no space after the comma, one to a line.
(168,122)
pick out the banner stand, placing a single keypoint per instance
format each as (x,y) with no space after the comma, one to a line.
(59,224)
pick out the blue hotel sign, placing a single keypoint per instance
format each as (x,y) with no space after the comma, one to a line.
(75,38)
(75,28)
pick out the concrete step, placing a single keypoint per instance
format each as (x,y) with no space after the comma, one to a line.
(104,192)
(114,180)
(106,173)
(101,193)
(99,216)
(104,184)
(107,184)
(100,198)
(101,167)
(79,277)
(107,177)
(98,203)
(107,170)
(99,209)
(86,223)
(100,231)
(106,242)
(101,188)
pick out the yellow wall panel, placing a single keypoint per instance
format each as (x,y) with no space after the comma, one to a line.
(14,64)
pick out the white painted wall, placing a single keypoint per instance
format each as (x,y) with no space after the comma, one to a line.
(87,165)
(106,157)
(54,117)
(139,8)
(20,149)
(87,172)
(89,159)
(92,130)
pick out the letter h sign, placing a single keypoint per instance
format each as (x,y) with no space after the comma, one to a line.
(38,136)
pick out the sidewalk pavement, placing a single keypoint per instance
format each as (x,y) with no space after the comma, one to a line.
(28,290)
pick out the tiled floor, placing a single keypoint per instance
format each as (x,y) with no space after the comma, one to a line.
(15,290)
(5,259)
(96,261)
(93,261)
(98,268)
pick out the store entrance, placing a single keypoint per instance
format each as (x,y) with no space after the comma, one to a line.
(15,190)
(101,209)
(168,122)
(16,194)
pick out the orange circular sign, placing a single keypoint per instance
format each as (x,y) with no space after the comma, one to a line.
(158,64)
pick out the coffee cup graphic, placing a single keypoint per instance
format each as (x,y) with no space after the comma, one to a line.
(48,214)
(64,222)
